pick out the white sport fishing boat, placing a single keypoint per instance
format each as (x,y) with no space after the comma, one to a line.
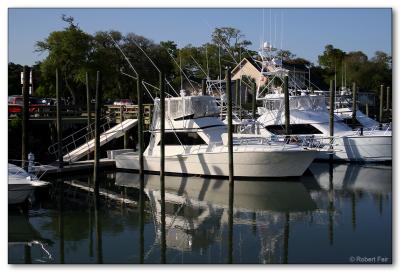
(196,144)
(309,116)
(21,184)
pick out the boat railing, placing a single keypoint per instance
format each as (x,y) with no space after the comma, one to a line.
(283,142)
(368,131)
(35,169)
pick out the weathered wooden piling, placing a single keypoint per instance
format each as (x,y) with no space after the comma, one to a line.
(88,107)
(97,132)
(354,106)
(141,168)
(287,105)
(231,170)
(367,109)
(254,102)
(204,86)
(237,93)
(381,105)
(387,98)
(25,116)
(331,108)
(59,122)
(162,164)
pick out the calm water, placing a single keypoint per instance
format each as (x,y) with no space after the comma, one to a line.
(334,214)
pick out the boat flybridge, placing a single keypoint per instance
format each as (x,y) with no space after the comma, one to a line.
(309,117)
(196,144)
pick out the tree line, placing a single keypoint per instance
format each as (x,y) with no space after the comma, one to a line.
(74,53)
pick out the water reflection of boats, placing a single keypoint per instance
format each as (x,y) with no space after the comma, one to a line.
(21,232)
(197,208)
(350,177)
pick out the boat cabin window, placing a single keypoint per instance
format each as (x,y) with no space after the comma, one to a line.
(185,138)
(294,128)
(350,123)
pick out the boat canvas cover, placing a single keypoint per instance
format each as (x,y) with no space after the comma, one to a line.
(304,103)
(193,106)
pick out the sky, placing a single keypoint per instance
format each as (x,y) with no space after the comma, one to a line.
(305,32)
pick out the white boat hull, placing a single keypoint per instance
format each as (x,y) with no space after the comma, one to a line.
(361,148)
(246,164)
(19,193)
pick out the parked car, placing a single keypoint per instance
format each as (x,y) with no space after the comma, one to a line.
(15,104)
(123,102)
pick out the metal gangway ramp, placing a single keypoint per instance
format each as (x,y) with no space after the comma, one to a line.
(79,146)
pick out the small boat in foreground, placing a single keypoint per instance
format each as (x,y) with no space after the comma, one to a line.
(21,184)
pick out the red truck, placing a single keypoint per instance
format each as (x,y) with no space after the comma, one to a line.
(16,102)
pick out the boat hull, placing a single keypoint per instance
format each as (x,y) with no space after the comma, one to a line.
(361,148)
(246,164)
(19,193)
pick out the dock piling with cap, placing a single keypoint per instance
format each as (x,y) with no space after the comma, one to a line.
(97,131)
(25,116)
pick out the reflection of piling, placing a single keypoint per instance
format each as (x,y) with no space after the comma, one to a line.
(353,210)
(286,231)
(59,124)
(90,224)
(162,165)
(97,132)
(287,108)
(254,101)
(99,237)
(25,115)
(381,105)
(367,109)
(204,86)
(231,173)
(61,219)
(331,203)
(354,108)
(27,254)
(88,107)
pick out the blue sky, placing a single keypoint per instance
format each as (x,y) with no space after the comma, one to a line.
(305,32)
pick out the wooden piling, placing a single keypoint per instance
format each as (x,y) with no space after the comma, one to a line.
(381,105)
(25,117)
(59,122)
(331,108)
(354,107)
(141,168)
(287,105)
(204,86)
(162,164)
(237,93)
(253,104)
(231,172)
(97,132)
(387,98)
(88,107)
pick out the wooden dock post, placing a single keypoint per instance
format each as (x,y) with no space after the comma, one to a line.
(381,105)
(387,98)
(237,92)
(367,109)
(287,105)
(254,102)
(88,107)
(162,163)
(204,86)
(59,122)
(25,116)
(354,107)
(97,133)
(141,168)
(231,172)
(331,108)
